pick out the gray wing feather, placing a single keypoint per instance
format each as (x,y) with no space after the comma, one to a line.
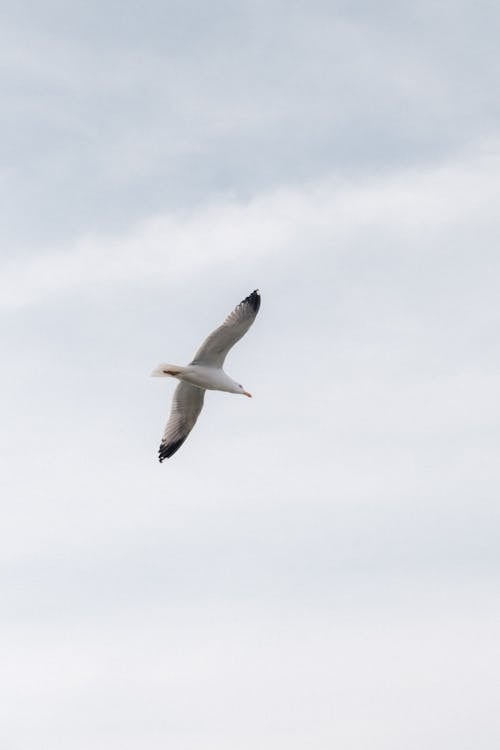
(186,407)
(214,349)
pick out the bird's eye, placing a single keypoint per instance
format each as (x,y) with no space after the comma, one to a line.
(239,385)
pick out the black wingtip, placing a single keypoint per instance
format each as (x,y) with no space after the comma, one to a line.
(169,449)
(253,300)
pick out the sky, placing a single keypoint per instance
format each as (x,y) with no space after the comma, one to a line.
(316,567)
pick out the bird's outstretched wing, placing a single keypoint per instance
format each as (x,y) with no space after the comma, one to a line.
(214,349)
(186,407)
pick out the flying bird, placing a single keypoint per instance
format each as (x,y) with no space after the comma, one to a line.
(204,373)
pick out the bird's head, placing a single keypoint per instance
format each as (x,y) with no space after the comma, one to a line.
(241,389)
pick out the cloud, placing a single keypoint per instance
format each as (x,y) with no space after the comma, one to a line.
(314,565)
(418,210)
(108,124)
(391,672)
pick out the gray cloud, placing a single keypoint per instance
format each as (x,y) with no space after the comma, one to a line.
(116,114)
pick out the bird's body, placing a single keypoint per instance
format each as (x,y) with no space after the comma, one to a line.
(202,376)
(204,373)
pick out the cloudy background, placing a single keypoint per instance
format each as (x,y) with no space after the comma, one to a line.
(317,567)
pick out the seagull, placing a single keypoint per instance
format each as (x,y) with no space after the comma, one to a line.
(204,373)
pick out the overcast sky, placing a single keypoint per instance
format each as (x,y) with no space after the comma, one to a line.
(316,567)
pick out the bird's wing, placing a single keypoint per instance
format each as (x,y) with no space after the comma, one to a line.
(215,347)
(186,407)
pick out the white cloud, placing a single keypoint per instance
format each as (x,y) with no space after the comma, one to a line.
(418,209)
(404,672)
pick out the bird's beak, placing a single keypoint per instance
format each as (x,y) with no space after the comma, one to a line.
(246,393)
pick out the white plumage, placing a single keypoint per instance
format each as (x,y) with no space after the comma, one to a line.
(204,373)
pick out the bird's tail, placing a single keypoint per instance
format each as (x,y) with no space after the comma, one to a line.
(165,370)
